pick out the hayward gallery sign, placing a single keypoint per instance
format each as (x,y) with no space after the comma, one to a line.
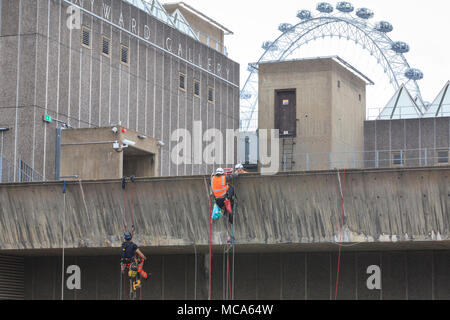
(144,32)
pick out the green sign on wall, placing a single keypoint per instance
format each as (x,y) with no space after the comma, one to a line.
(48,118)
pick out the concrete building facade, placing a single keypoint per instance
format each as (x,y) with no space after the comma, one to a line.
(122,66)
(407,142)
(328,110)
(405,275)
(102,153)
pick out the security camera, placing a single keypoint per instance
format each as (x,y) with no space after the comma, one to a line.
(117,146)
(128,143)
(161,144)
(114,130)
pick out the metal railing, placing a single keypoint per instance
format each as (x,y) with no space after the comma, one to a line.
(369,159)
(24,173)
(406,112)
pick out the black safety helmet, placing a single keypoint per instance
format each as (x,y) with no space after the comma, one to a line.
(127,236)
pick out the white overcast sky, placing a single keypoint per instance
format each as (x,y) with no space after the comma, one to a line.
(424,25)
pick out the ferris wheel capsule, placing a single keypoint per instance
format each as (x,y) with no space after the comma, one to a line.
(304,14)
(245,95)
(324,7)
(269,45)
(345,7)
(285,27)
(384,26)
(400,47)
(414,74)
(364,13)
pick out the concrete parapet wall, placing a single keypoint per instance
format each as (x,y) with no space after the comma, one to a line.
(300,209)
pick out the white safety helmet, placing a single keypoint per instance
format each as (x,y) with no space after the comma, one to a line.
(220,171)
(239,166)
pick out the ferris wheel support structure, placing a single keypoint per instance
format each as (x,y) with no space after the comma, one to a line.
(371,37)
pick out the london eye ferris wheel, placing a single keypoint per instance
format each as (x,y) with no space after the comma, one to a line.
(348,33)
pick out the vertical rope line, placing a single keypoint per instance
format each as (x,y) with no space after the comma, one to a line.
(125,209)
(224,275)
(210,235)
(232,286)
(229,272)
(132,205)
(62,241)
(195,274)
(210,247)
(340,237)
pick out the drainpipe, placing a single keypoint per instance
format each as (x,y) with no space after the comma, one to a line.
(58,153)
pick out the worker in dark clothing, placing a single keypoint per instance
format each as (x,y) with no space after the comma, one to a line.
(223,191)
(132,258)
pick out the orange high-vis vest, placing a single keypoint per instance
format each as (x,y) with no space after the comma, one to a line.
(219,186)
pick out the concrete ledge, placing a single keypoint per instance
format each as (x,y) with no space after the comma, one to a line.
(408,207)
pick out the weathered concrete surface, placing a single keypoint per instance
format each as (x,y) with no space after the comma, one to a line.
(386,207)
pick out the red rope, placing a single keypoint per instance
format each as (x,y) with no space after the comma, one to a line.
(210,245)
(229,272)
(340,237)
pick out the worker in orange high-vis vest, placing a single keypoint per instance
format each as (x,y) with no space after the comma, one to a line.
(223,192)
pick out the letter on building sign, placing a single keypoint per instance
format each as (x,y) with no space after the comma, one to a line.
(106,12)
(74,19)
(169,44)
(146,32)
(74,281)
(374,281)
(121,20)
(209,64)
(133,26)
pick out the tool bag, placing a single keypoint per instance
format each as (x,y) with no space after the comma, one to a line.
(217,212)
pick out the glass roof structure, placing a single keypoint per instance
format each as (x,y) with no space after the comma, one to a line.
(441,105)
(401,106)
(181,24)
(154,8)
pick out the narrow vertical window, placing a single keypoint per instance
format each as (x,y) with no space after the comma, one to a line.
(86,37)
(182,81)
(210,94)
(197,88)
(124,55)
(106,46)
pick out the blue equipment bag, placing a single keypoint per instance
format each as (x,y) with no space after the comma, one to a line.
(217,212)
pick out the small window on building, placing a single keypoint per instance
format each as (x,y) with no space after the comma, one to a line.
(124,54)
(182,81)
(197,88)
(210,94)
(106,46)
(442,156)
(339,83)
(360,97)
(86,37)
(398,158)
